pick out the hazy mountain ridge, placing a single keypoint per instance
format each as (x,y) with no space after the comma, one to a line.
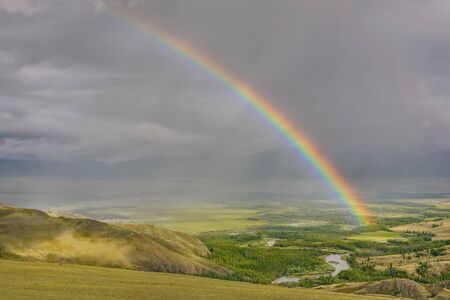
(281,163)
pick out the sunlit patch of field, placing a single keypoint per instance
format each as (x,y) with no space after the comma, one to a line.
(307,223)
(88,251)
(392,211)
(409,262)
(189,218)
(378,236)
(400,211)
(437,202)
(441,229)
(209,219)
(444,204)
(205,217)
(198,217)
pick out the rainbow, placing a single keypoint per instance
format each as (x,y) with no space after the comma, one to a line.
(299,142)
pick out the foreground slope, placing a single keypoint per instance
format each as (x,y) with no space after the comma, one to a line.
(29,234)
(35,280)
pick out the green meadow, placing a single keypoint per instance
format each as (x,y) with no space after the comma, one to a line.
(378,236)
(212,219)
(194,219)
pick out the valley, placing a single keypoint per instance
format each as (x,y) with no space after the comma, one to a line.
(301,245)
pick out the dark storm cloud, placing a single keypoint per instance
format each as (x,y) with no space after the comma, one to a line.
(79,83)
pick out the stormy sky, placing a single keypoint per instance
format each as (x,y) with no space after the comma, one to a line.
(79,82)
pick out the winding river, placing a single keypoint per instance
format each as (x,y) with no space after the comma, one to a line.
(338,263)
(335,260)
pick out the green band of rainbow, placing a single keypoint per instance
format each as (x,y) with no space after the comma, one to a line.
(282,124)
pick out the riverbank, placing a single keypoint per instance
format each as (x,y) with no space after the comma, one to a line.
(335,260)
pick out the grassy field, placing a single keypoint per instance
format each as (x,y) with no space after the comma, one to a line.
(377,236)
(25,280)
(200,217)
(440,229)
(194,218)
(211,219)
(409,262)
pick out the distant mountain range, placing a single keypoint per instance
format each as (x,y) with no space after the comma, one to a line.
(279,163)
(359,164)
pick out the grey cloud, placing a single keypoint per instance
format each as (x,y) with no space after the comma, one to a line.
(26,7)
(85,84)
(52,132)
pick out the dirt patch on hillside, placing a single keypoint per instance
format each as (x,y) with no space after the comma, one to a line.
(403,288)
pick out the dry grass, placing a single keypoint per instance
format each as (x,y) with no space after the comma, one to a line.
(441,229)
(409,261)
(26,280)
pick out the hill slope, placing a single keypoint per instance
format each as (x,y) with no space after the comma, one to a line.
(28,280)
(29,234)
(397,287)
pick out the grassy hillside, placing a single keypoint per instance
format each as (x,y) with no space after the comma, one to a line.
(34,280)
(29,234)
